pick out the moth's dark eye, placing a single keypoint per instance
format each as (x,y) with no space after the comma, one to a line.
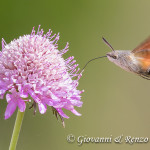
(114,57)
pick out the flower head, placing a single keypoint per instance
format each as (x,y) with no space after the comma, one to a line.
(32,69)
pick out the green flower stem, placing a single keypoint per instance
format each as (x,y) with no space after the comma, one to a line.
(16,130)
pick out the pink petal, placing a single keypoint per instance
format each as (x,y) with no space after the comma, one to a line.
(61,113)
(71,108)
(48,102)
(42,108)
(75,112)
(21,105)
(8,97)
(11,107)
(2,91)
(23,95)
(76,103)
(33,95)
(23,90)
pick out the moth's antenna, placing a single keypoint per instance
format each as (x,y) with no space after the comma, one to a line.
(106,42)
(91,60)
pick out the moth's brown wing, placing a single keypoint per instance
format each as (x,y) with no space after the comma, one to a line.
(143,57)
(143,46)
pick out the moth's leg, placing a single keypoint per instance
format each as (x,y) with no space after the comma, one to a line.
(144,76)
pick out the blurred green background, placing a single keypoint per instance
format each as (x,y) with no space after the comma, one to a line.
(115,102)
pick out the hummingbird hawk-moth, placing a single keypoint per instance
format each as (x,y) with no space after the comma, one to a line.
(136,61)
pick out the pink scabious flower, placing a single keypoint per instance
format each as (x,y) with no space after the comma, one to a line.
(32,69)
